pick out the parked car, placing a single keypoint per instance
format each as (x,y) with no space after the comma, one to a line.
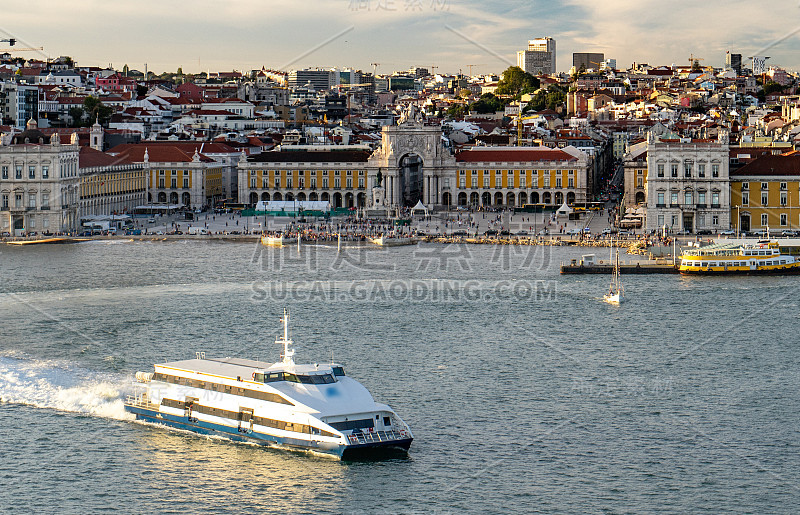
(5,234)
(789,233)
(490,232)
(727,233)
(151,220)
(460,232)
(609,230)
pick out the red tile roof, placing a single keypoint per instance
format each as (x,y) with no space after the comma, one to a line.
(770,165)
(91,158)
(512,155)
(157,153)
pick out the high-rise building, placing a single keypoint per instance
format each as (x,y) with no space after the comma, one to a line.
(321,80)
(734,62)
(587,60)
(539,58)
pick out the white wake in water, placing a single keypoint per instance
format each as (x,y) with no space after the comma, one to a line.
(60,386)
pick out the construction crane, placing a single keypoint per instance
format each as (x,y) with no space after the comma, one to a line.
(33,49)
(470,66)
(694,62)
(374,68)
(11,42)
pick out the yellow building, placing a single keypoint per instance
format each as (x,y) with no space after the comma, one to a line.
(765,194)
(109,185)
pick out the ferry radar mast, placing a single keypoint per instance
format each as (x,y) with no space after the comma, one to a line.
(288,354)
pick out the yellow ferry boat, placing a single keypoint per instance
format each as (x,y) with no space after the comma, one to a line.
(737,258)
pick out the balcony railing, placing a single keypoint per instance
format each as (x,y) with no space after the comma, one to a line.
(715,206)
(377,437)
(701,206)
(661,205)
(45,208)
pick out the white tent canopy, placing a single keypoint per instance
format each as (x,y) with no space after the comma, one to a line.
(420,206)
(293,205)
(564,209)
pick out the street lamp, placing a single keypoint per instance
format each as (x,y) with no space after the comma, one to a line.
(738,222)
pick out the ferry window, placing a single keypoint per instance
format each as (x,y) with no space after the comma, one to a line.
(259,377)
(338,371)
(290,377)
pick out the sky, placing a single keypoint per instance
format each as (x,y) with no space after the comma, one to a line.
(225,35)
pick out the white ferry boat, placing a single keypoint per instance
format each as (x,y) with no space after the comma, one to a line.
(277,241)
(308,407)
(738,258)
(394,241)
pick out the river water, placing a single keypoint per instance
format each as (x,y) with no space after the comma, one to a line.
(526,393)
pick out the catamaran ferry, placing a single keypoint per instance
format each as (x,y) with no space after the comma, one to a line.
(738,258)
(308,407)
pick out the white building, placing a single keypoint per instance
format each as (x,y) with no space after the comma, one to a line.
(539,58)
(688,186)
(39,183)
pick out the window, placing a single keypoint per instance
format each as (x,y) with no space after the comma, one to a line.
(174,182)
(714,170)
(325,183)
(639,182)
(474,182)
(349,182)
(746,199)
(764,220)
(32,200)
(337,183)
(571,182)
(661,220)
(674,220)
(764,186)
(673,198)
(18,200)
(661,170)
(264,183)
(5,201)
(45,200)
(783,198)
(745,186)
(5,172)
(558,182)
(673,170)
(783,218)
(18,172)
(522,182)
(764,199)
(701,220)
(701,197)
(313,183)
(687,169)
(446,182)
(277,182)
(301,182)
(485,182)
(687,197)
(186,182)
(160,182)
(701,170)
(498,182)
(462,182)
(31,172)
(252,183)
(783,185)
(660,200)
(289,182)
(715,220)
(361,182)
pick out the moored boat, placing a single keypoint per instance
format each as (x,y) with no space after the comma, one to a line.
(762,258)
(310,407)
(277,240)
(394,241)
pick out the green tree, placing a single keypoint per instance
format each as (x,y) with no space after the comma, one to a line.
(76,113)
(772,87)
(457,111)
(96,110)
(515,80)
(488,103)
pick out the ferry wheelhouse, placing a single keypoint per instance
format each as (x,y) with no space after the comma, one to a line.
(308,407)
(737,258)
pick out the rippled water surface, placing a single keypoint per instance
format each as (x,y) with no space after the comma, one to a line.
(525,392)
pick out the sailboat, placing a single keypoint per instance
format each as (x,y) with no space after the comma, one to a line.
(616,293)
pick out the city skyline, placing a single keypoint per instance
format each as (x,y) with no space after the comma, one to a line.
(448,34)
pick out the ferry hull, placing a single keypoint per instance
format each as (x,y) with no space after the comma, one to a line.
(344,452)
(771,271)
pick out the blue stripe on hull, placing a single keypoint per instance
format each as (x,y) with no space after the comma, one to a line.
(232,433)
